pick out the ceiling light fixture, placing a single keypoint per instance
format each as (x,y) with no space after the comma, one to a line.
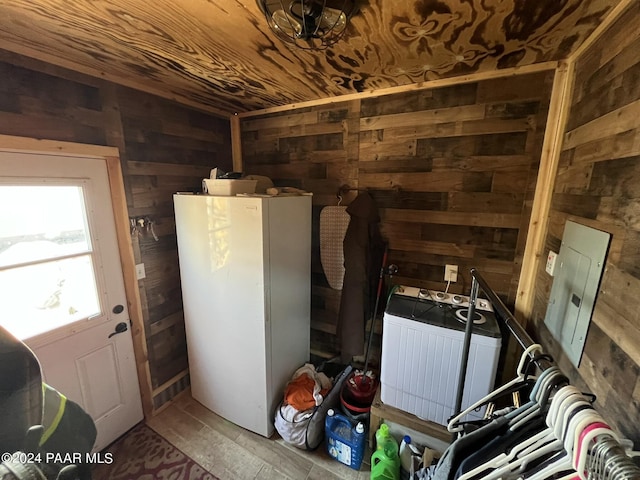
(308,24)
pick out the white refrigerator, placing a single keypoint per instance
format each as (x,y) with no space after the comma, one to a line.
(245,268)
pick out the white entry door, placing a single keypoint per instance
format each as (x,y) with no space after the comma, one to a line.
(61,285)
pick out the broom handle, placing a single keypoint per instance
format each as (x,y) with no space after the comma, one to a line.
(375,312)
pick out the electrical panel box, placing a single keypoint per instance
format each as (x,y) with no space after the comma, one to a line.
(577,276)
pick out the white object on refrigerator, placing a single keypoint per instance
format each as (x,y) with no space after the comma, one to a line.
(245,268)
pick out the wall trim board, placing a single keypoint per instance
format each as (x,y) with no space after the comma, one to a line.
(37,145)
(120,212)
(236,143)
(112,159)
(170,383)
(31,63)
(168,403)
(33,53)
(553,145)
(615,13)
(429,84)
(551,149)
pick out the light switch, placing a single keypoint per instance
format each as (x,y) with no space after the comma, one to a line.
(551,262)
(140,272)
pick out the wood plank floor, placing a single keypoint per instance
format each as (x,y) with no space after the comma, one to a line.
(233,453)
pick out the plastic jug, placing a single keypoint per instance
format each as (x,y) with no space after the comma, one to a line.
(384,467)
(384,439)
(385,461)
(345,442)
(409,456)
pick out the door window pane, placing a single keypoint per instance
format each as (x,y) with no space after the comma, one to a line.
(47,277)
(38,298)
(41,222)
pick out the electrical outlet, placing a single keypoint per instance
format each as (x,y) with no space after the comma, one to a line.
(140,273)
(451,273)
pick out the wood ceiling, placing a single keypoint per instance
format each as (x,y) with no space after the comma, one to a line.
(220,55)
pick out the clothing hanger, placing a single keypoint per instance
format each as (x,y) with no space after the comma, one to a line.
(566,425)
(576,422)
(604,454)
(612,465)
(570,476)
(521,376)
(552,467)
(534,396)
(558,413)
(551,382)
(568,414)
(554,432)
(560,401)
(551,439)
(542,445)
(559,404)
(583,443)
(626,471)
(597,456)
(585,451)
(503,459)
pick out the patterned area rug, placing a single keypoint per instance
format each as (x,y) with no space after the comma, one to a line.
(142,454)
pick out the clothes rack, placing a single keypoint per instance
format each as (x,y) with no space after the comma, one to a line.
(615,457)
(519,333)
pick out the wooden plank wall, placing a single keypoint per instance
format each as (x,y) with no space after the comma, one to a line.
(598,185)
(164,147)
(452,170)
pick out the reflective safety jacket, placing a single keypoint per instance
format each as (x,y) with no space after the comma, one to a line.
(67,427)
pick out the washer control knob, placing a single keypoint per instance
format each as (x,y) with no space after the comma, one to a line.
(457,299)
(423,293)
(441,295)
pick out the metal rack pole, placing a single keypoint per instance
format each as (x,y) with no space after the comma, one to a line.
(622,462)
(518,332)
(466,345)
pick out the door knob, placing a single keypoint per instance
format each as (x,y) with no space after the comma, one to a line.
(121,327)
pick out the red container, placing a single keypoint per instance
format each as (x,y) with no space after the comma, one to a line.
(358,392)
(361,387)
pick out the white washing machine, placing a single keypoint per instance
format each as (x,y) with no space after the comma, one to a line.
(422,342)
